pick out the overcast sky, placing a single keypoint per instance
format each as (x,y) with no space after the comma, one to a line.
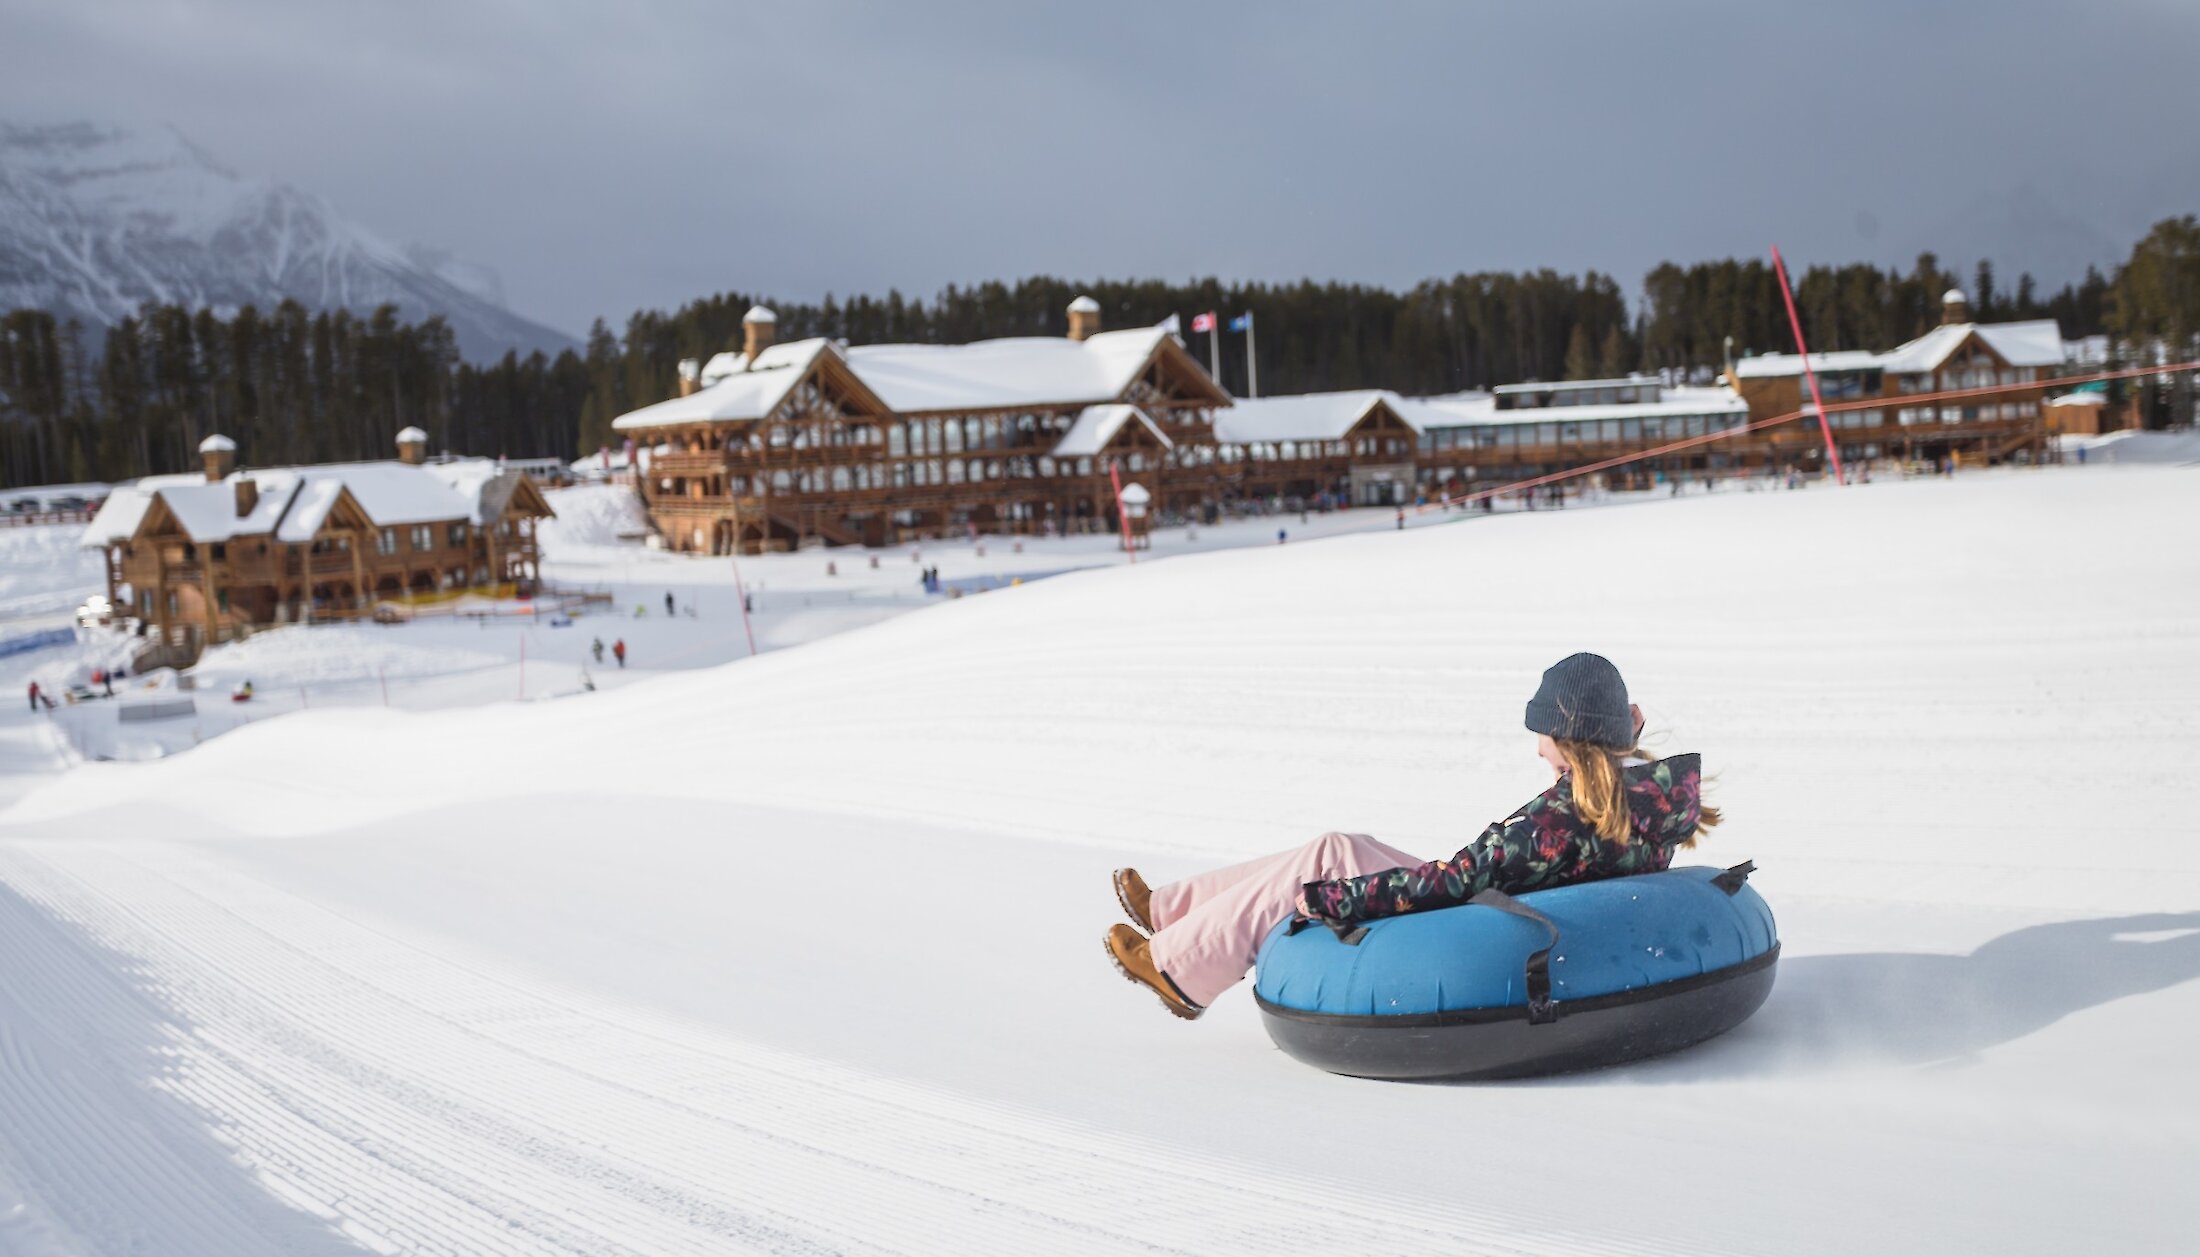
(608,156)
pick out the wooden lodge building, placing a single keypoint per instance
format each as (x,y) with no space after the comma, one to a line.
(199,559)
(813,441)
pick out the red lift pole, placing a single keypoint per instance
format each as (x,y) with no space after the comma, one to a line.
(1825,421)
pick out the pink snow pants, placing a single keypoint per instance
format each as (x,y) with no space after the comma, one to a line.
(1207,928)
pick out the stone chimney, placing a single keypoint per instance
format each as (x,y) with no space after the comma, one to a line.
(248,495)
(1954,307)
(759,327)
(1084,318)
(220,454)
(412,447)
(691,376)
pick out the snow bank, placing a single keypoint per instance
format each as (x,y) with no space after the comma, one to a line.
(330,654)
(2138,448)
(44,570)
(591,516)
(801,953)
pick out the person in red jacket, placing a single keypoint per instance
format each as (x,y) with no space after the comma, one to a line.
(1611,812)
(618,651)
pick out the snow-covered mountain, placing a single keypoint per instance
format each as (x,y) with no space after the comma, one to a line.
(95,220)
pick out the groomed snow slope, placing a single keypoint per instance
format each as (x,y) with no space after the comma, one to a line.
(801,954)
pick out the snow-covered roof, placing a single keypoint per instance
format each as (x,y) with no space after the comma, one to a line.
(217,444)
(125,507)
(411,436)
(760,314)
(1097,425)
(732,389)
(1769,366)
(2037,343)
(1954,296)
(1010,372)
(1004,374)
(2079,399)
(1084,305)
(1136,495)
(294,502)
(1301,417)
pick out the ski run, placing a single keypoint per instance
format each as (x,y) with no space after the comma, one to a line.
(800,953)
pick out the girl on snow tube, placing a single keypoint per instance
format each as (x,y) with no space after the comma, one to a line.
(1612,812)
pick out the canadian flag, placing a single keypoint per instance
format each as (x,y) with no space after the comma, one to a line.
(1204,322)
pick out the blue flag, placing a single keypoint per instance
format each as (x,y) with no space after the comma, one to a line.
(1241,322)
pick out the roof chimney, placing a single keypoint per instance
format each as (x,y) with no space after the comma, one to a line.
(1084,318)
(248,495)
(759,327)
(220,454)
(691,376)
(1954,307)
(412,447)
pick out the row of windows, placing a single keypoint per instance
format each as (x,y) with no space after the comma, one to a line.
(1588,432)
(1977,375)
(423,537)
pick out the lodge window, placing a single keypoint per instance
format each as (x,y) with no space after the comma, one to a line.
(219,550)
(145,603)
(221,601)
(423,537)
(171,604)
(385,542)
(457,535)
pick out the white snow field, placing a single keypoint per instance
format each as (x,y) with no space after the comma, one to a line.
(800,954)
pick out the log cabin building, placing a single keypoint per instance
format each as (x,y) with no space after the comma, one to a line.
(200,559)
(780,445)
(1958,354)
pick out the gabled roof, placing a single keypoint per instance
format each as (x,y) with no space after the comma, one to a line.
(295,502)
(1305,416)
(2037,343)
(733,391)
(1006,373)
(1011,373)
(1097,425)
(207,512)
(125,507)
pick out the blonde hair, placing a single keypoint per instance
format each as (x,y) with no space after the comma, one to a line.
(1600,792)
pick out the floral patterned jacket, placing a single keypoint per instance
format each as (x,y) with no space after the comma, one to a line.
(1542,845)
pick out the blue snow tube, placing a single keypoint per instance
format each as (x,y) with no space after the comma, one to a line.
(1573,978)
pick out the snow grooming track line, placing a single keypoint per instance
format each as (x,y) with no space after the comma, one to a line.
(440,1109)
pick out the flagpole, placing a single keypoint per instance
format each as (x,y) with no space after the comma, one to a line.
(1214,348)
(1252,368)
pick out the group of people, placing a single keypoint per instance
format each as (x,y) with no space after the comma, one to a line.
(618,649)
(102,679)
(930,579)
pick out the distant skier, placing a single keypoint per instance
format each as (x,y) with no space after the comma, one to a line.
(107,681)
(618,651)
(668,604)
(1282,536)
(597,646)
(34,697)
(1612,812)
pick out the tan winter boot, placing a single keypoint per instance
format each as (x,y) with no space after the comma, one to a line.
(1133,957)
(1136,897)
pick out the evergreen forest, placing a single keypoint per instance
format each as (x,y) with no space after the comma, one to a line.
(292,385)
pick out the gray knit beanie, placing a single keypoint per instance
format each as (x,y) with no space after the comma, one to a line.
(1583,699)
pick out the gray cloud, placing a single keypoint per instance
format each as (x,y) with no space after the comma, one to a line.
(605,157)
